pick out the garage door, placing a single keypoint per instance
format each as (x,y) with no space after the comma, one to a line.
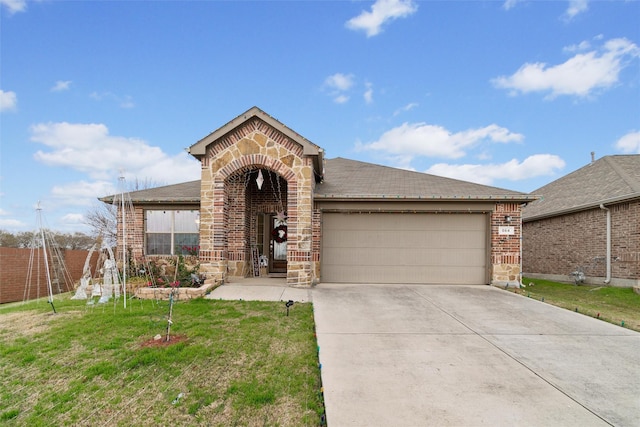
(404,248)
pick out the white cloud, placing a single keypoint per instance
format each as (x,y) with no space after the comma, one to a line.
(123,101)
(629,143)
(381,12)
(368,93)
(583,45)
(73,219)
(90,149)
(339,81)
(513,170)
(407,107)
(14,5)
(337,84)
(420,139)
(580,76)
(11,223)
(61,85)
(82,193)
(510,4)
(8,100)
(575,8)
(341,99)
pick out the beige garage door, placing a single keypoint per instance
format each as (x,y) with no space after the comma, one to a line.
(404,248)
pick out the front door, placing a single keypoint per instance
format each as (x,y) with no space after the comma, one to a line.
(278,245)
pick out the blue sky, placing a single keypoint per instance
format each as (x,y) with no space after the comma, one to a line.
(513,94)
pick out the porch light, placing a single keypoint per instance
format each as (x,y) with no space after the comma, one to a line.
(508,219)
(259,179)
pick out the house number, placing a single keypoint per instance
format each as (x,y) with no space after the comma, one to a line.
(504,230)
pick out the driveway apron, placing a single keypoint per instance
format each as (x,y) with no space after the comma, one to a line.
(410,355)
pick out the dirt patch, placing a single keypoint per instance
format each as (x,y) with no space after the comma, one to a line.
(29,323)
(162,342)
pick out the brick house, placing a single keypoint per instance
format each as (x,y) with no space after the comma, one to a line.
(268,195)
(587,221)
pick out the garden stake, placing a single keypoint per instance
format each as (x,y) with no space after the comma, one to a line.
(169,321)
(52,306)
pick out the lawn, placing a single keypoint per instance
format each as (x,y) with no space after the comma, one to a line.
(226,363)
(620,306)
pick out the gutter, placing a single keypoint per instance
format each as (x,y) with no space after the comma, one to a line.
(422,198)
(607,279)
(579,208)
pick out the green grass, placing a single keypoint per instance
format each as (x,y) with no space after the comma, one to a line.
(620,306)
(242,363)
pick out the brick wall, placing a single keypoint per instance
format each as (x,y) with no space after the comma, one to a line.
(505,248)
(14,272)
(557,246)
(134,219)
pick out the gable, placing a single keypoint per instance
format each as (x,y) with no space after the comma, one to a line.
(610,179)
(256,120)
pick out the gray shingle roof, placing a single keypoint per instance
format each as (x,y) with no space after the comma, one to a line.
(609,179)
(351,179)
(186,192)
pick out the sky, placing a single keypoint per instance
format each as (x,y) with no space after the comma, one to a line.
(512,94)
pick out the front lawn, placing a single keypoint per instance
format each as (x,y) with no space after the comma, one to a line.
(226,363)
(620,306)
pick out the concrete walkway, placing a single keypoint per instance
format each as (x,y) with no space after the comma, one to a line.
(260,289)
(406,355)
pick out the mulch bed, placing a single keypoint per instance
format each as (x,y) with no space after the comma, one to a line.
(162,342)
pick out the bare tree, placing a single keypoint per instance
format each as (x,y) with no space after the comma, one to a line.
(102,220)
(102,217)
(8,240)
(26,239)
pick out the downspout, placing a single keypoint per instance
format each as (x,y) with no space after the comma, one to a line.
(607,279)
(521,241)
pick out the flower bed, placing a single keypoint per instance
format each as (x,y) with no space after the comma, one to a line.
(179,293)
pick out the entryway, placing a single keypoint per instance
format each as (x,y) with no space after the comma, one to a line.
(272,239)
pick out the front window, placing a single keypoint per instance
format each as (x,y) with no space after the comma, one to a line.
(170,232)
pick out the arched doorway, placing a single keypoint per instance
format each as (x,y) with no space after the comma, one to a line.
(257,221)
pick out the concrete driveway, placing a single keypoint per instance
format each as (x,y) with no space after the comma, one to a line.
(406,355)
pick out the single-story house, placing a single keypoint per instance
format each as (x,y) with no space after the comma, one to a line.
(269,197)
(586,225)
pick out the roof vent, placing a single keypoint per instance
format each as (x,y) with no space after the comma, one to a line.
(593,156)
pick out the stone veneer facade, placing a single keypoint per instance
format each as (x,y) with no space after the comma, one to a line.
(230,200)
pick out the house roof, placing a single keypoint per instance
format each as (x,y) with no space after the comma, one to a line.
(350,179)
(183,193)
(199,149)
(353,180)
(608,180)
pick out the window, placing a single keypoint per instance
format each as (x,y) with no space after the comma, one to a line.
(172,232)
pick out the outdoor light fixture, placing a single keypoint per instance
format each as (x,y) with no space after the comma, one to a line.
(259,179)
(288,304)
(507,218)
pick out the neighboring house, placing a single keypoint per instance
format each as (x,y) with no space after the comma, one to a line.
(588,222)
(269,195)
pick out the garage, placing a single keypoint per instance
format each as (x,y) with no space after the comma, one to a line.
(418,248)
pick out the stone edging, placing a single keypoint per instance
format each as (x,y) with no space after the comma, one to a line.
(183,293)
